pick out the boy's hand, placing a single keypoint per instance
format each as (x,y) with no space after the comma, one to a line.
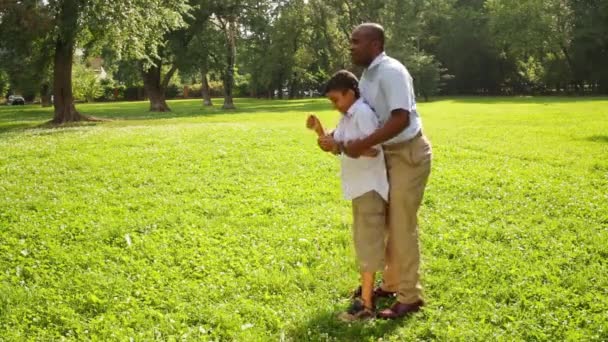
(312,122)
(327,143)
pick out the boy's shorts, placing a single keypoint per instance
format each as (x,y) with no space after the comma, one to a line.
(369,222)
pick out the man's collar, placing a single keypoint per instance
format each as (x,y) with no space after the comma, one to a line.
(377,60)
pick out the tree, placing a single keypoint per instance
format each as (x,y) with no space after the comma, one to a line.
(537,34)
(200,58)
(93,23)
(426,72)
(589,45)
(4,83)
(24,58)
(156,83)
(228,17)
(457,34)
(199,42)
(86,82)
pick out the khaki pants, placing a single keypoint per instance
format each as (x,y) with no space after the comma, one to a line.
(408,165)
(369,226)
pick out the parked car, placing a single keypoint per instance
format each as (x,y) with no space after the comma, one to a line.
(15,100)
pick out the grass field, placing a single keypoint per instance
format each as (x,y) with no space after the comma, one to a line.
(203,225)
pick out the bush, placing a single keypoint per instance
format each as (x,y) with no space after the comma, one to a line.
(426,72)
(29,96)
(134,93)
(216,88)
(111,91)
(173,91)
(195,90)
(86,83)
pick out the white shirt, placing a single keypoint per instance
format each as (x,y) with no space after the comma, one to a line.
(387,85)
(363,174)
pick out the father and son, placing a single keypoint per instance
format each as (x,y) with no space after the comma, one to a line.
(385,165)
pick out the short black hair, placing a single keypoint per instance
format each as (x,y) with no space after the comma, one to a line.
(343,80)
(374,31)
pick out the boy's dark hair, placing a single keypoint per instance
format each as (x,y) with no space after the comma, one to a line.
(343,80)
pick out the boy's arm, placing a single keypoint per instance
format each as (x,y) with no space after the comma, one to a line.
(325,141)
(314,123)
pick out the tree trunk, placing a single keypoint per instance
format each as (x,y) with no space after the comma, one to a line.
(205,89)
(155,86)
(228,79)
(154,91)
(293,88)
(65,111)
(568,60)
(62,68)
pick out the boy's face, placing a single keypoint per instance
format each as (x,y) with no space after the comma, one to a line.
(341,99)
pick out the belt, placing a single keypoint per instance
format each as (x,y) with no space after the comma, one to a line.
(402,144)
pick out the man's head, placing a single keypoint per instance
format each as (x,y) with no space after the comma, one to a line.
(366,42)
(342,90)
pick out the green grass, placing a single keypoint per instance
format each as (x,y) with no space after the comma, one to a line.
(205,225)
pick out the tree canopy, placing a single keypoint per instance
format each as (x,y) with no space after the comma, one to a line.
(288,48)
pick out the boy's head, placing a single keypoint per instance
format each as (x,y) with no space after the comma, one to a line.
(342,90)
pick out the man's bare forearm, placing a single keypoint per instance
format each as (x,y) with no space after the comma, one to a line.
(398,121)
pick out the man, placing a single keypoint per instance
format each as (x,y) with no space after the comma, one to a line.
(387,86)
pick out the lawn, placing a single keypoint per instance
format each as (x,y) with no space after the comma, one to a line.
(205,225)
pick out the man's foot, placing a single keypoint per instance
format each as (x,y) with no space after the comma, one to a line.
(399,310)
(378,293)
(357,312)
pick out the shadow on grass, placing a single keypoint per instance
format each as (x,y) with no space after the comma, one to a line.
(16,126)
(598,138)
(325,325)
(50,128)
(31,116)
(519,99)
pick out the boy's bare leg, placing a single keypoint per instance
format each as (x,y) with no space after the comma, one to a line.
(367,289)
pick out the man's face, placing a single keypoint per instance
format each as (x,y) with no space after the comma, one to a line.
(361,48)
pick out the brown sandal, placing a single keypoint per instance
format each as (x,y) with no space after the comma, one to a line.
(357,312)
(378,293)
(399,310)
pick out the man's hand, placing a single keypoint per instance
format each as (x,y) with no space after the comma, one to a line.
(371,152)
(327,143)
(355,148)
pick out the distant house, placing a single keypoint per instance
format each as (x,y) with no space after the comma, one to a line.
(96,63)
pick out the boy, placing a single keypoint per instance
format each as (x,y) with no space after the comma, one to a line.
(364,181)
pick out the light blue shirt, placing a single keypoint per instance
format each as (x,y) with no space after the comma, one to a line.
(386,85)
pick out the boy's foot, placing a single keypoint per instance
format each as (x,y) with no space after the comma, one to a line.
(357,312)
(399,310)
(378,293)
